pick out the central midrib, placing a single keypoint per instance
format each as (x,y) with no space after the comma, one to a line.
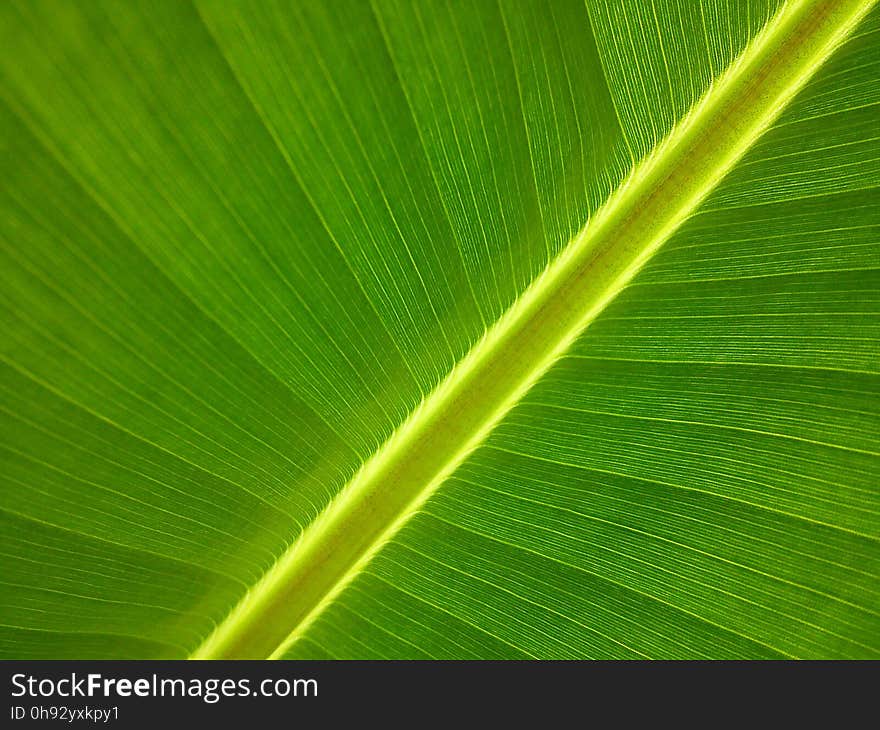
(660,193)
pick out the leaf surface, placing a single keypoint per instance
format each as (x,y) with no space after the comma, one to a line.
(260,260)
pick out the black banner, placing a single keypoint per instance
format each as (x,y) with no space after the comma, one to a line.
(414,694)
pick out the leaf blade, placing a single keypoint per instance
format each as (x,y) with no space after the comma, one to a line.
(157,412)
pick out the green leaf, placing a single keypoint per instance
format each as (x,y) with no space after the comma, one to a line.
(434,329)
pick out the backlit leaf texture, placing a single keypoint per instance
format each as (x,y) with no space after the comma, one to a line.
(243,243)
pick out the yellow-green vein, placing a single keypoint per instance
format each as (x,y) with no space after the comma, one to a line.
(659,194)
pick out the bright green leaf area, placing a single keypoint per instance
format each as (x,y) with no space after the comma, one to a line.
(440,330)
